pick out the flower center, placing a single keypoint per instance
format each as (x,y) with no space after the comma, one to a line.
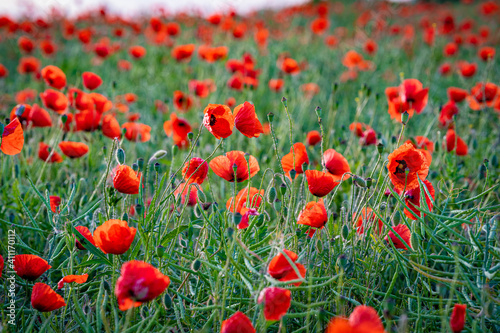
(401,167)
(213,120)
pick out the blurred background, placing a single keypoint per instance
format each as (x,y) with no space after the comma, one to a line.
(37,8)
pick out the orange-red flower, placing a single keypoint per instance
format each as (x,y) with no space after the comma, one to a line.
(73,149)
(447,112)
(467,69)
(406,164)
(219,120)
(137,132)
(29,266)
(211,54)
(91,80)
(456,94)
(85,232)
(281,268)
(486,53)
(44,153)
(290,66)
(44,299)
(114,236)
(483,95)
(457,318)
(54,77)
(453,140)
(72,278)
(358,128)
(178,128)
(410,96)
(137,51)
(87,120)
(276,301)
(367,219)
(313,138)
(182,102)
(336,164)
(319,25)
(276,85)
(412,200)
(126,180)
(423,145)
(246,120)
(222,166)
(295,159)
(138,283)
(55,202)
(12,138)
(28,65)
(404,232)
(1,265)
(111,127)
(195,170)
(237,323)
(55,100)
(183,52)
(313,215)
(101,103)
(320,183)
(254,200)
(192,197)
(362,319)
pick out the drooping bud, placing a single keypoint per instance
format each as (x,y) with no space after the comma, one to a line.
(120,156)
(271,195)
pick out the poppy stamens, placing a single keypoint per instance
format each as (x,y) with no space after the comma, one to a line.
(402,166)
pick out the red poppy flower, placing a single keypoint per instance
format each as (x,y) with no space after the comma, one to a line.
(450,49)
(110,127)
(54,77)
(276,301)
(199,88)
(39,117)
(483,95)
(80,100)
(246,121)
(406,164)
(12,138)
(55,100)
(410,96)
(367,219)
(87,120)
(313,138)
(4,72)
(182,102)
(85,233)
(72,278)
(412,200)
(44,299)
(178,128)
(362,319)
(137,132)
(101,103)
(28,65)
(91,80)
(254,200)
(281,269)
(320,183)
(219,120)
(222,166)
(368,138)
(114,236)
(29,266)
(319,25)
(246,217)
(452,140)
(486,53)
(124,65)
(310,89)
(404,232)
(48,47)
(358,128)
(445,69)
(195,170)
(290,66)
(336,164)
(126,180)
(138,283)
(173,28)
(457,318)
(44,153)
(467,69)
(237,323)
(211,54)
(447,112)
(276,85)
(313,215)
(73,149)
(25,44)
(457,95)
(1,265)
(183,52)
(301,157)
(55,202)
(370,47)
(192,197)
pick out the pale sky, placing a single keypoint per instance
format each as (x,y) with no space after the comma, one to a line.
(131,7)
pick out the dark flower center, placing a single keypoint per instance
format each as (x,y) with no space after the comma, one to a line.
(213,120)
(401,167)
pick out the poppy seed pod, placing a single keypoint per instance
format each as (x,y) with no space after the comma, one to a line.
(195,266)
(318,111)
(283,189)
(140,163)
(271,195)
(20,110)
(284,101)
(270,117)
(120,156)
(380,148)
(405,116)
(345,231)
(190,136)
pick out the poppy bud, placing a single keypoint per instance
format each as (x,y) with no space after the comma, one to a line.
(157,167)
(282,189)
(270,117)
(284,101)
(160,251)
(271,195)
(457,318)
(135,167)
(380,148)
(293,173)
(237,218)
(358,181)
(167,301)
(414,240)
(345,231)
(120,156)
(20,110)
(394,139)
(159,154)
(190,136)
(277,204)
(368,91)
(138,209)
(140,163)
(404,117)
(369,182)
(318,111)
(125,217)
(195,266)
(175,149)
(483,170)
(64,119)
